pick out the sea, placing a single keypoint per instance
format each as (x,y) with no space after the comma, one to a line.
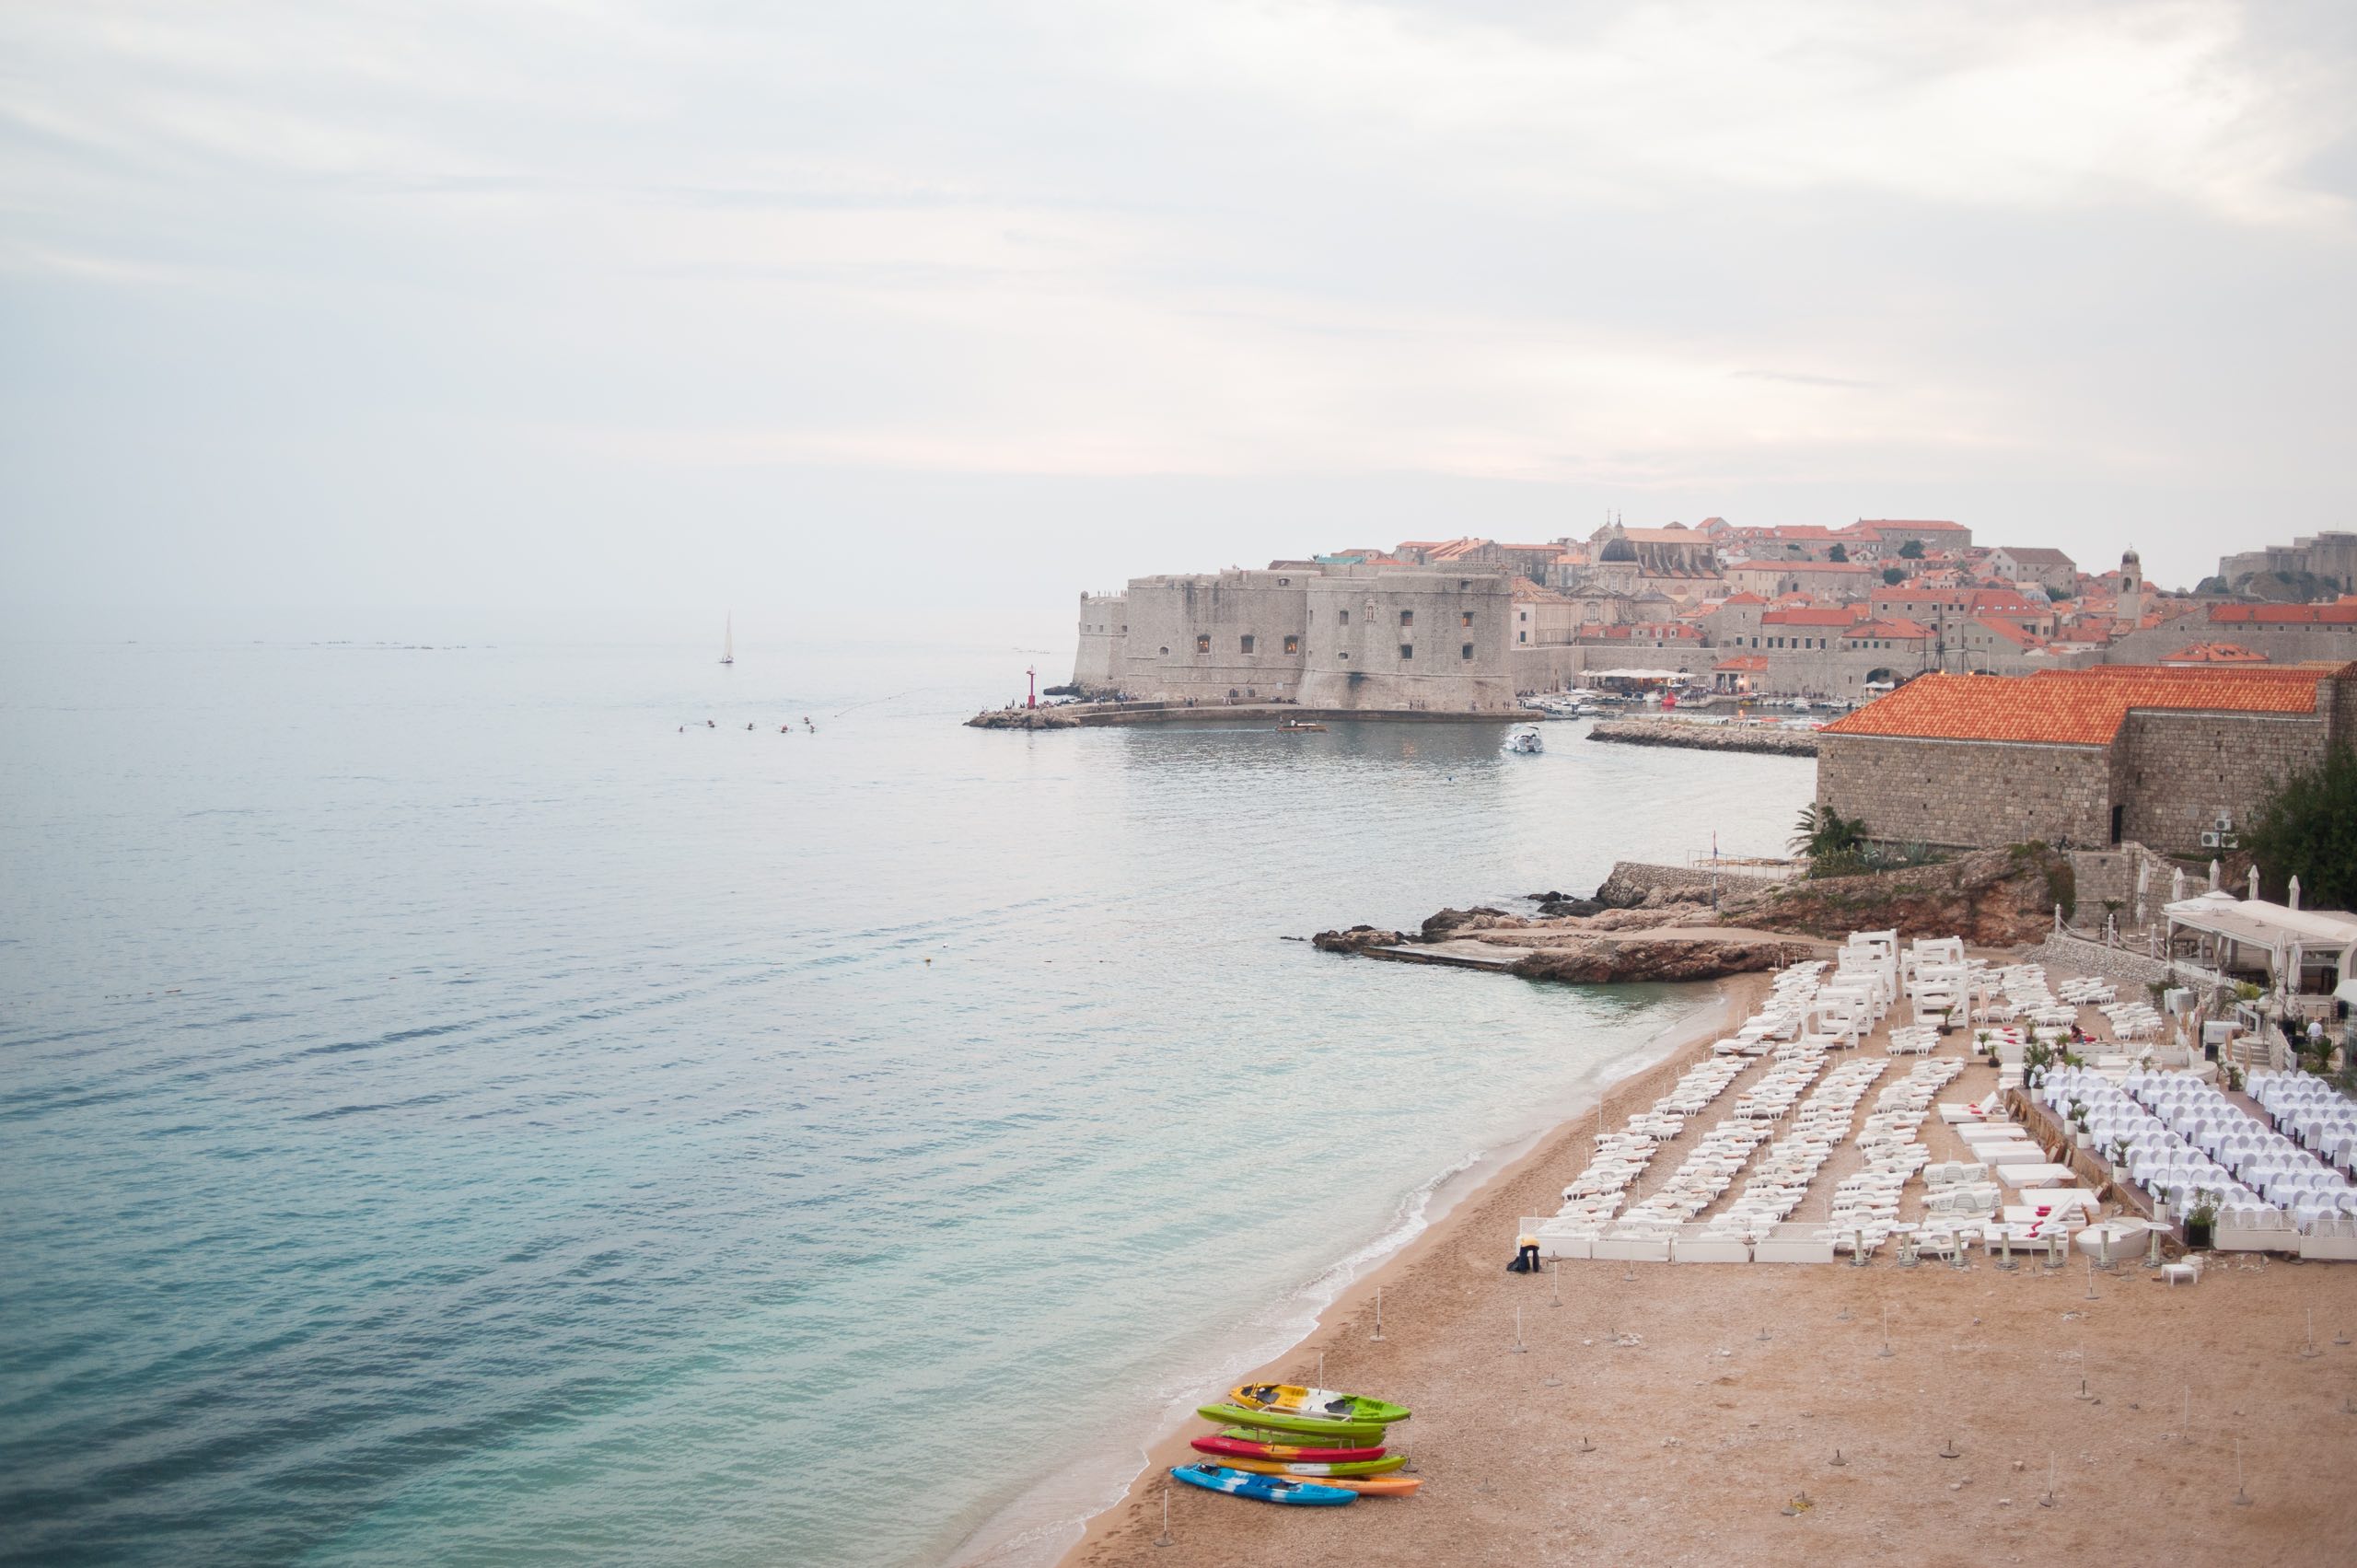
(473,1098)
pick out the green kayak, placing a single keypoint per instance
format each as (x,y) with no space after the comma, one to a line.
(1265,1420)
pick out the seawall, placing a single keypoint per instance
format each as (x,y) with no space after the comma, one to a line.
(1706,736)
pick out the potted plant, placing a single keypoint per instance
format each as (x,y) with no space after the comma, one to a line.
(2234,1078)
(2201,1219)
(2120,1151)
(2037,1057)
(2081,1138)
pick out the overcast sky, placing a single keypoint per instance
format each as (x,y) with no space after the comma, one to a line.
(594,303)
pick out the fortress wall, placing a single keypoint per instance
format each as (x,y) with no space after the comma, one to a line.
(1206,636)
(1392,639)
(1104,631)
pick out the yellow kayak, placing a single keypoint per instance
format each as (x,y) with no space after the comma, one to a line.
(1322,1404)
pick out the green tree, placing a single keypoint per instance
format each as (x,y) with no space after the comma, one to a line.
(1912,551)
(1822,831)
(1892,577)
(2307,828)
(1838,552)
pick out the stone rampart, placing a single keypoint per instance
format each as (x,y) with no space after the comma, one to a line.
(1966,794)
(2082,957)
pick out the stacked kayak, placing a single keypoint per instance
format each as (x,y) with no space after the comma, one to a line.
(1282,1442)
(1267,1488)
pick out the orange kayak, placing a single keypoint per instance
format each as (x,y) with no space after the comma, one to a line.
(1375,1485)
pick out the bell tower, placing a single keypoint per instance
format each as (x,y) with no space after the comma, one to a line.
(2131,587)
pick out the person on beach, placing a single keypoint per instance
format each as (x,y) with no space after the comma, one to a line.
(1525,1259)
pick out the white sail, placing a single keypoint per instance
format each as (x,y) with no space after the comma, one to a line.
(728,640)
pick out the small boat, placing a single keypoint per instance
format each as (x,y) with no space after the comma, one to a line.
(1294,727)
(1313,1469)
(1236,1445)
(728,639)
(1322,1404)
(1523,740)
(1335,1432)
(1266,1487)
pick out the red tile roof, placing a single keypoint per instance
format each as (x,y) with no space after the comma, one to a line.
(2078,707)
(1742,661)
(1891,628)
(1745,597)
(2008,631)
(2215,653)
(1912,523)
(2341,614)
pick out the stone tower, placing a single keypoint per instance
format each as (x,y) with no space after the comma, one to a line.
(2131,587)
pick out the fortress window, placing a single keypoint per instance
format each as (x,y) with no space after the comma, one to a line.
(1203,643)
(1522,636)
(1407,618)
(1466,652)
(1346,617)
(1463,584)
(1465,618)
(1284,581)
(1293,644)
(1165,653)
(1406,650)
(1243,644)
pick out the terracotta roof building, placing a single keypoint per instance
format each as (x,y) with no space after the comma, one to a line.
(2087,757)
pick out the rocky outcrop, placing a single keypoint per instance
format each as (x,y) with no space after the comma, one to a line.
(1707,737)
(1603,958)
(1995,898)
(1023,718)
(1464,923)
(1357,939)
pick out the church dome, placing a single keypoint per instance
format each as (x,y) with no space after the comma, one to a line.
(1618,550)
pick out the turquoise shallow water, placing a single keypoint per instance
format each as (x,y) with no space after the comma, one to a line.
(449,1114)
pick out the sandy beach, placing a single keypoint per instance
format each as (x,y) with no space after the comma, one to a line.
(1715,1436)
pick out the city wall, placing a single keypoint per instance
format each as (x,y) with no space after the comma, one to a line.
(1966,794)
(2176,772)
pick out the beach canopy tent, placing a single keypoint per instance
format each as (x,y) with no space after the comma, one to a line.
(1637,675)
(2287,939)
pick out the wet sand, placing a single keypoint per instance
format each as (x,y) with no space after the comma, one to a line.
(1713,1439)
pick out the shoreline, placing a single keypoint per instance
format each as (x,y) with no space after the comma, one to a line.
(1674,1047)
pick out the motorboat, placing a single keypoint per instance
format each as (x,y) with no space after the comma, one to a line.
(1523,739)
(1296,726)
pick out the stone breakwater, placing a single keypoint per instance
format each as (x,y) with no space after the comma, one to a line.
(1707,737)
(1023,718)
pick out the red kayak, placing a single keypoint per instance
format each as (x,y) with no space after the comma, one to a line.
(1243,1448)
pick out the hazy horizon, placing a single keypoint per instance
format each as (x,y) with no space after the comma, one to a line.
(613,307)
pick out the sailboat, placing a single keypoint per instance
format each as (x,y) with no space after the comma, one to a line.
(728,640)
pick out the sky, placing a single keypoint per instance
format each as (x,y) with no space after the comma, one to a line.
(604,306)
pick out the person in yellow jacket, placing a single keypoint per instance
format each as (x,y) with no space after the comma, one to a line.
(1525,1258)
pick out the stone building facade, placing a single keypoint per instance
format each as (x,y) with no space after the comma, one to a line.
(2090,757)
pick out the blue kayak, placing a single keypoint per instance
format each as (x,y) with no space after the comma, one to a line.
(1267,1488)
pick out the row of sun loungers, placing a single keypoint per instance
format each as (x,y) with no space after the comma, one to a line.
(1865,1206)
(1791,1164)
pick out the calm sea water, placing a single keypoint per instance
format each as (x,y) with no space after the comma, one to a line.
(450,1113)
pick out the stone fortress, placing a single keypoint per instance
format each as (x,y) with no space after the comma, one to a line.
(1374,638)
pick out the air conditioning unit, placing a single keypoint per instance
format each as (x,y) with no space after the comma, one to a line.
(2224,823)
(2210,841)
